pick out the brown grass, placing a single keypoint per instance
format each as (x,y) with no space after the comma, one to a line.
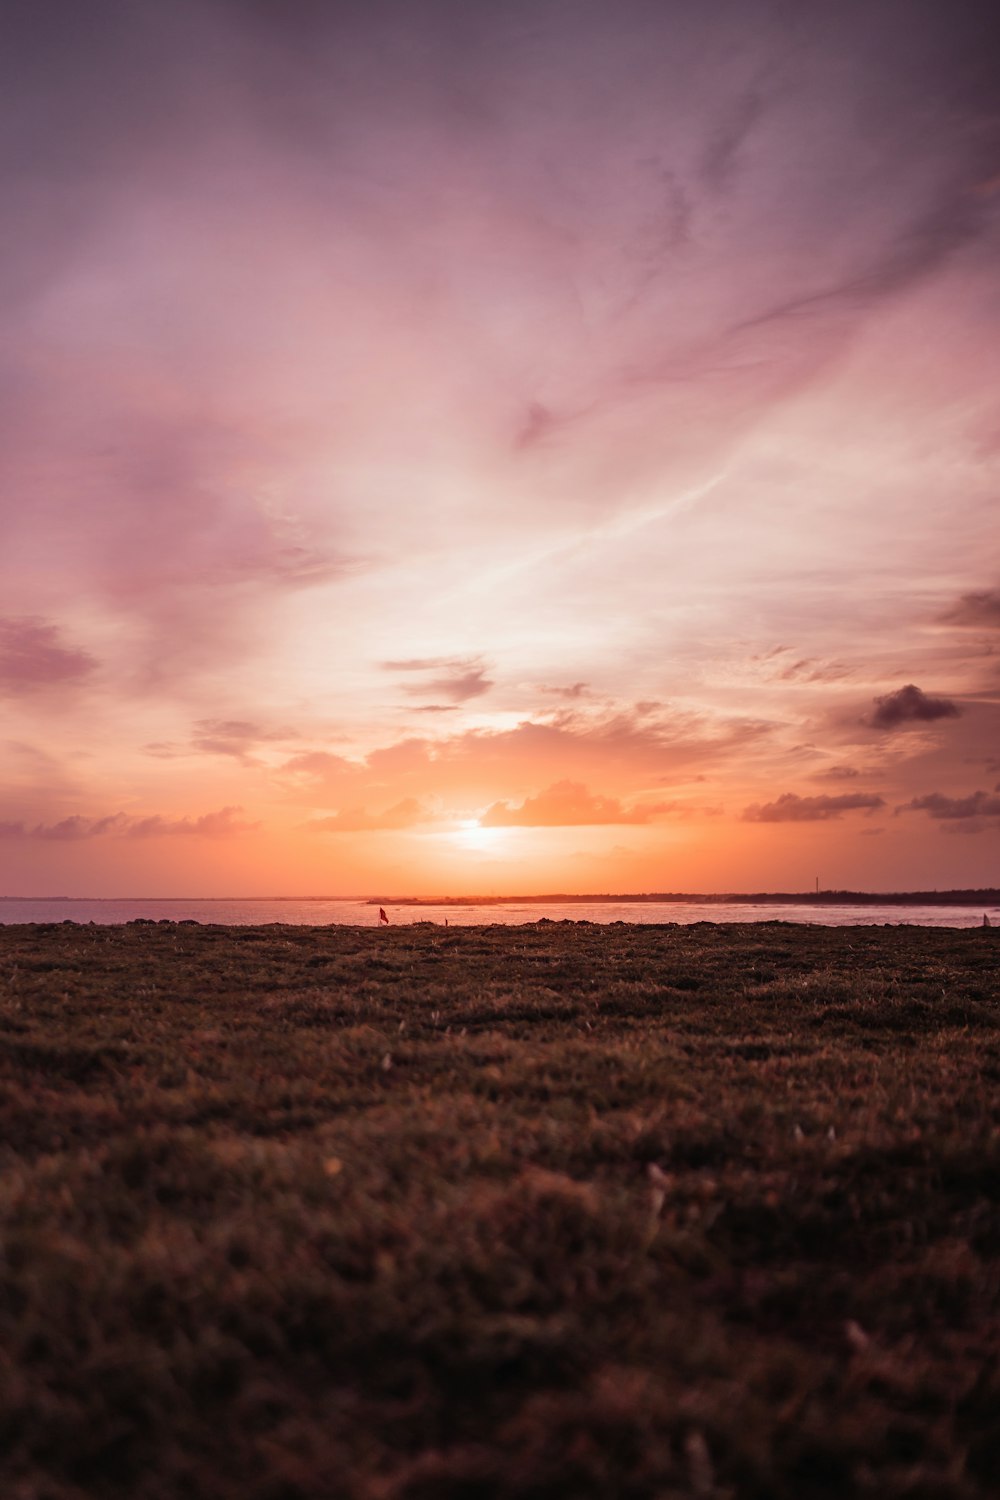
(556,1210)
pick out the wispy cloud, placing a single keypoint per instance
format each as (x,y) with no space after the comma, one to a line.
(34,656)
(235,737)
(455,678)
(979,610)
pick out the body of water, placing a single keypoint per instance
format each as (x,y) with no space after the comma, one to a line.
(316,913)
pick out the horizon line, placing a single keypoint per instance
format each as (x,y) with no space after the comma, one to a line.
(564,897)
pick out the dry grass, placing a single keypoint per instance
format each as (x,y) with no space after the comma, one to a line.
(557,1210)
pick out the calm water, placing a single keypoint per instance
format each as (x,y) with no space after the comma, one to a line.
(321,912)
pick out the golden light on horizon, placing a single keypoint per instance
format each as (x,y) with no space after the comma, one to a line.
(472,835)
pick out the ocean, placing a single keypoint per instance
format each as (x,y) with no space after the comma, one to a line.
(323,912)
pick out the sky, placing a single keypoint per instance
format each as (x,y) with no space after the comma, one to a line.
(457,449)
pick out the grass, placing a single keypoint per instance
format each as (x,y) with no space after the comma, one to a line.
(557,1210)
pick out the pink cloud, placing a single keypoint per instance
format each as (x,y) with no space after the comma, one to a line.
(33,657)
(462,678)
(404,814)
(225,823)
(977,610)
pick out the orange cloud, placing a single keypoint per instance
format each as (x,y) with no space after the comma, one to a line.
(483,766)
(568,804)
(405,814)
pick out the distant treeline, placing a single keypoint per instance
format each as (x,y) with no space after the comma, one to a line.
(989,897)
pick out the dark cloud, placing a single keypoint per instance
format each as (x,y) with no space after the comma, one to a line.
(837,773)
(33,656)
(937,805)
(574,690)
(790,808)
(226,823)
(980,610)
(910,705)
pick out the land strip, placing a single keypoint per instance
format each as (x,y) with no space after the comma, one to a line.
(555,1210)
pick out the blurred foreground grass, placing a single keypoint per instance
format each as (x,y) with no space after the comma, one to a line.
(515,1212)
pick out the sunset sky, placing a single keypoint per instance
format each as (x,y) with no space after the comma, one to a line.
(489,448)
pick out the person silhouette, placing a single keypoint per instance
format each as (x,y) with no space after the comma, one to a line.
(382,916)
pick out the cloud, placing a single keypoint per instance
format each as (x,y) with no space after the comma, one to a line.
(910,705)
(568,804)
(405,814)
(837,773)
(33,657)
(574,690)
(937,805)
(790,808)
(919,247)
(721,160)
(979,610)
(235,737)
(478,767)
(225,823)
(464,677)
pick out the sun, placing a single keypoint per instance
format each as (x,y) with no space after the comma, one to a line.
(470,834)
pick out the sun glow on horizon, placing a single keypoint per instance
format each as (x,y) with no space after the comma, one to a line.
(472,835)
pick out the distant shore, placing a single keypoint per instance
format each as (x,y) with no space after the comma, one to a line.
(988,897)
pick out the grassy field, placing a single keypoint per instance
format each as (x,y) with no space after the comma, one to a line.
(556,1210)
